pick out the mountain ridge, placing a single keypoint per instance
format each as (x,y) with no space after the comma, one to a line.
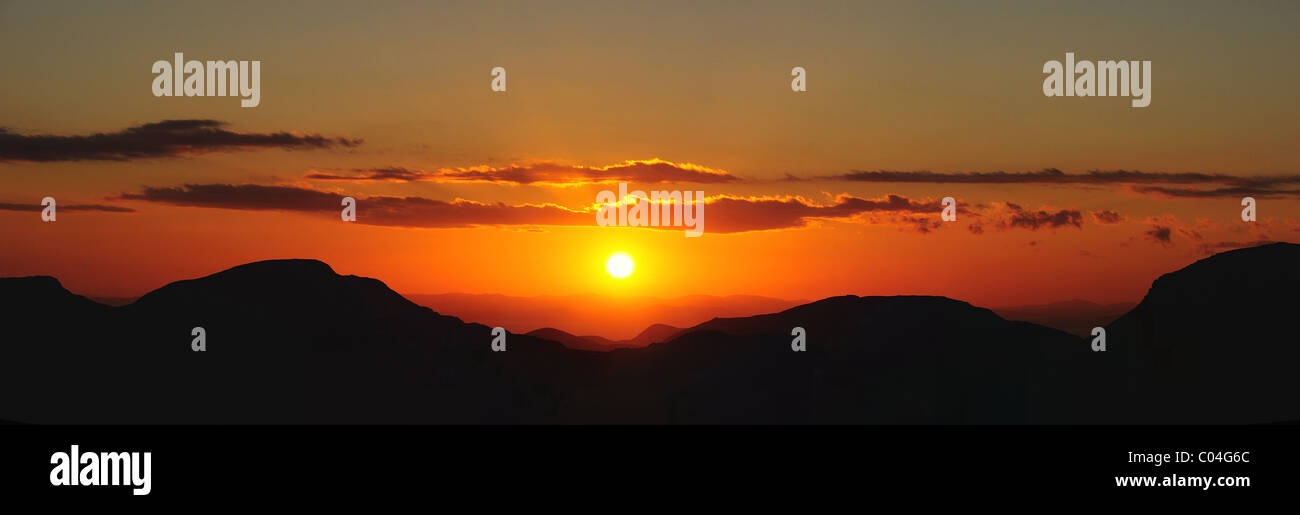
(651,335)
(292,341)
(621,317)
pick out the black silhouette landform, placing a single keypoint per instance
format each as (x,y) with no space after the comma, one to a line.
(654,334)
(291,341)
(1072,316)
(621,316)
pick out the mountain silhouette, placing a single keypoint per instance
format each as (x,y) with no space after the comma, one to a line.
(619,317)
(287,341)
(24,296)
(1215,342)
(872,360)
(291,341)
(573,341)
(1075,316)
(654,334)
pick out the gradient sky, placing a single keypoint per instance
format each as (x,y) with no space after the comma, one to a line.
(946,87)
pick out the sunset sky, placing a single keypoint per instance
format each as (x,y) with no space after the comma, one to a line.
(811,194)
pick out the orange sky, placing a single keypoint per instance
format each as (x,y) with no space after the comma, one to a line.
(950,88)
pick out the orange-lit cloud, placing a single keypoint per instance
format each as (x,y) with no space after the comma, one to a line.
(650,171)
(724,213)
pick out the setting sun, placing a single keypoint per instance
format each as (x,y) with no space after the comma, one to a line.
(619,265)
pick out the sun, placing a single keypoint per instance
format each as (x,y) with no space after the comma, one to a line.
(619,265)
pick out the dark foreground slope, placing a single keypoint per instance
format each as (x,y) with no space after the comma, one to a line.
(877,360)
(293,342)
(1216,342)
(287,341)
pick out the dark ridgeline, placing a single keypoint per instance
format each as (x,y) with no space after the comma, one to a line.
(654,334)
(293,342)
(1216,341)
(1076,317)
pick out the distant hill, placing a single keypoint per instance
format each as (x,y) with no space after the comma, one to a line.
(619,317)
(1077,317)
(574,341)
(654,334)
(291,341)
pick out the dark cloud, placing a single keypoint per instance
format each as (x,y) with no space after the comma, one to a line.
(723,214)
(64,208)
(1107,217)
(1137,181)
(1055,176)
(1165,229)
(379,210)
(243,197)
(738,214)
(651,171)
(1231,192)
(422,212)
(168,138)
(1159,234)
(1034,220)
(390,174)
(918,223)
